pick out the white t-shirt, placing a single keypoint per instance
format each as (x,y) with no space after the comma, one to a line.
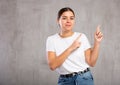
(76,60)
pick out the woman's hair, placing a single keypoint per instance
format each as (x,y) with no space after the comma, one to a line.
(61,11)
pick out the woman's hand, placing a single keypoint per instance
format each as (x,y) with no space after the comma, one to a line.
(98,35)
(76,44)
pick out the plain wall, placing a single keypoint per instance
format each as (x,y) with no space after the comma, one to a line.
(26,24)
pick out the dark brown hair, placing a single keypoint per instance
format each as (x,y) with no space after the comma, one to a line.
(61,11)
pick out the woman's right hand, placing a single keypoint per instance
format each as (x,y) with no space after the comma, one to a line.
(76,44)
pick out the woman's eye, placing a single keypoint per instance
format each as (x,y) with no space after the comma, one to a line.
(63,18)
(72,18)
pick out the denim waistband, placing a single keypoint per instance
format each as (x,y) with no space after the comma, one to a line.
(74,73)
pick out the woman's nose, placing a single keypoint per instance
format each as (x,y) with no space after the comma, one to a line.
(68,20)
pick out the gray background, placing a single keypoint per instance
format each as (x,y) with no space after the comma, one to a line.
(25,25)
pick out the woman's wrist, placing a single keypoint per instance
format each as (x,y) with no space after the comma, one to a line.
(70,49)
(96,44)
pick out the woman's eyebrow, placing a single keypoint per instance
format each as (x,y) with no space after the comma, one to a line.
(67,16)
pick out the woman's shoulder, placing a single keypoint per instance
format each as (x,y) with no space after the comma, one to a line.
(78,33)
(53,36)
(83,35)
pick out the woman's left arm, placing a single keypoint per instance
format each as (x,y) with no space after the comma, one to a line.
(91,54)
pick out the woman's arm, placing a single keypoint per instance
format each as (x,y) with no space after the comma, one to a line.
(56,61)
(91,54)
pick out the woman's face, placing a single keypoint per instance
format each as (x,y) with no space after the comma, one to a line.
(66,21)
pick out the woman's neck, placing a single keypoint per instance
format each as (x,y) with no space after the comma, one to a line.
(66,34)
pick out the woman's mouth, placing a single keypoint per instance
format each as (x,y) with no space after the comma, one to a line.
(68,25)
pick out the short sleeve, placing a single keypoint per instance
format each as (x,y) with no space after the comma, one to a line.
(50,44)
(85,42)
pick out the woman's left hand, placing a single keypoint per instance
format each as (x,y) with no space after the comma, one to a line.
(98,35)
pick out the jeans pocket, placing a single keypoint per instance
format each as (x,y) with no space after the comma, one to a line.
(62,80)
(87,76)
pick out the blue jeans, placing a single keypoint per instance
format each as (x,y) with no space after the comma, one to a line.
(78,79)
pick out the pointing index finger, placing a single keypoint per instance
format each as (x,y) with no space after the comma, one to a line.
(77,39)
(98,29)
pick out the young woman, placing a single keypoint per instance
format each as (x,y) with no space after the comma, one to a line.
(69,52)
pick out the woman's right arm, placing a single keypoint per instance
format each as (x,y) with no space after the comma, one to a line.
(56,61)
